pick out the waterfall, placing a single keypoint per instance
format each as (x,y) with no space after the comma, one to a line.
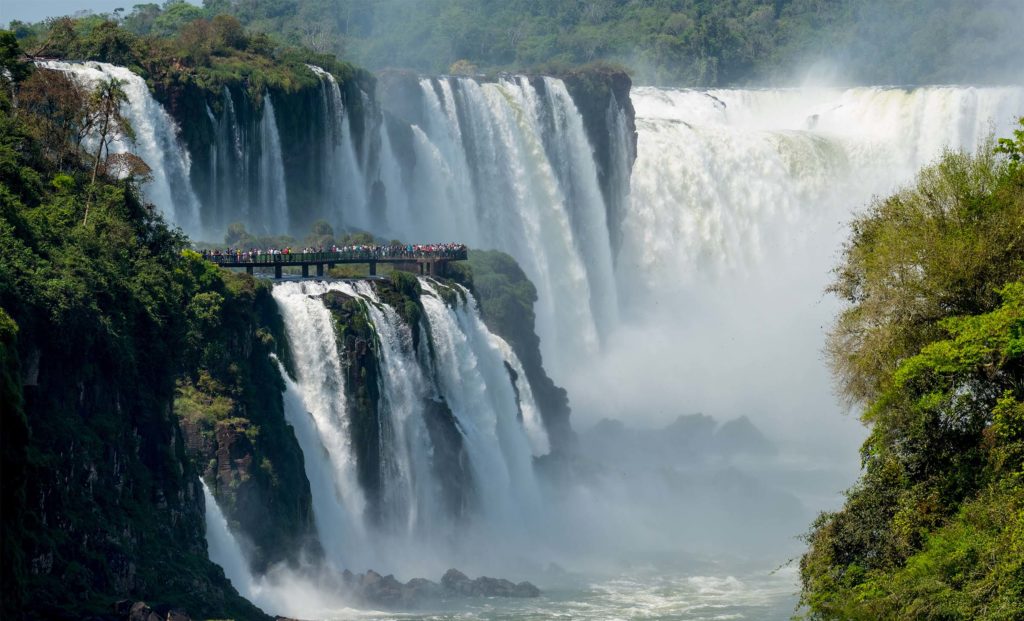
(472,377)
(226,199)
(507,165)
(156,141)
(739,203)
(724,179)
(451,396)
(344,188)
(224,548)
(273,195)
(724,176)
(315,406)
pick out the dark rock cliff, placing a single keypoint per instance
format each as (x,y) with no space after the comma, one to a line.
(231,410)
(100,500)
(221,125)
(601,93)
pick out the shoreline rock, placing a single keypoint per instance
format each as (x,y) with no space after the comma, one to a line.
(387,591)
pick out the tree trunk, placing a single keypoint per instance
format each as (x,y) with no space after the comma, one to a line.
(96,164)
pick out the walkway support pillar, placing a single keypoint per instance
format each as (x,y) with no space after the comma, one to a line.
(373,268)
(305,271)
(277,272)
(248,269)
(320,269)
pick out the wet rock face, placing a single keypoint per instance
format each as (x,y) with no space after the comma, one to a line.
(230,409)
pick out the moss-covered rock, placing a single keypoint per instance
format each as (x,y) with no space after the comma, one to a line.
(229,403)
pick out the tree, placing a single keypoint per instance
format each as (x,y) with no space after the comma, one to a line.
(57,109)
(12,68)
(941,248)
(110,125)
(930,345)
(229,32)
(463,68)
(196,41)
(107,41)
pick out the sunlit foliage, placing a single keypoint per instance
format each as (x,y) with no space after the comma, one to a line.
(931,345)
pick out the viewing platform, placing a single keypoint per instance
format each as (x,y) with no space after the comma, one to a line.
(426,262)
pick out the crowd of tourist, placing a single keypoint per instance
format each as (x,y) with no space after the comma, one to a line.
(341,253)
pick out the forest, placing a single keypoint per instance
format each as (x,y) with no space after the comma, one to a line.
(662,42)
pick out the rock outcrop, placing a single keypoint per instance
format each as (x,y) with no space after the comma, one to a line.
(457,583)
(387,591)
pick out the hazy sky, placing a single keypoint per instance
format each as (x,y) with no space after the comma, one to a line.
(36,10)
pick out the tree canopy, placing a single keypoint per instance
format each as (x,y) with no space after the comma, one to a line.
(931,345)
(677,42)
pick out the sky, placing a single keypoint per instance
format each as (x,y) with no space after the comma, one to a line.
(37,10)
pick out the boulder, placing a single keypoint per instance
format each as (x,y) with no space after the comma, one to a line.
(140,611)
(493,587)
(419,590)
(178,614)
(386,590)
(457,582)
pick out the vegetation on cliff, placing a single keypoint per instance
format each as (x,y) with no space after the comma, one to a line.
(184,48)
(230,407)
(683,42)
(931,345)
(100,499)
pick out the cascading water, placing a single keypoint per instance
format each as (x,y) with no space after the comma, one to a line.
(471,374)
(507,165)
(272,185)
(739,202)
(156,141)
(338,500)
(722,176)
(504,165)
(224,549)
(345,185)
(243,179)
(460,376)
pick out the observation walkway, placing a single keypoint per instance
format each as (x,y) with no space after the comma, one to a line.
(424,262)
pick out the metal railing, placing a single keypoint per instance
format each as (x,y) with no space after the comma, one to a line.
(346,256)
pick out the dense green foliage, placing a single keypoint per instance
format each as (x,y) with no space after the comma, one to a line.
(178,47)
(932,343)
(707,42)
(100,502)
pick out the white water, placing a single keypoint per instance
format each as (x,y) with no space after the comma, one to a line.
(739,206)
(471,375)
(490,172)
(224,549)
(321,421)
(467,372)
(724,176)
(156,141)
(345,185)
(273,217)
